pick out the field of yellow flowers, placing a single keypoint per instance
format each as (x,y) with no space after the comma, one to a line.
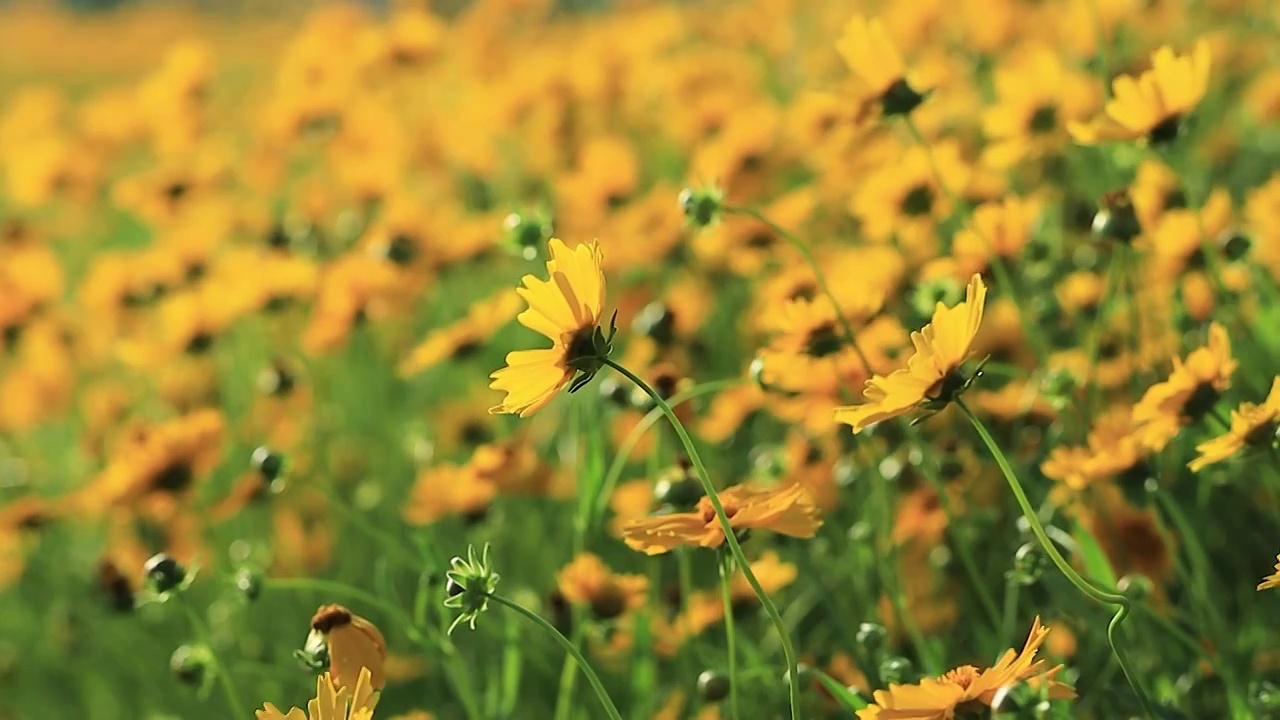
(743,359)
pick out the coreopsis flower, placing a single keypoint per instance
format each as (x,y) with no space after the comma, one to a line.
(968,689)
(354,647)
(873,57)
(901,202)
(932,377)
(1190,392)
(333,701)
(464,337)
(787,510)
(1152,105)
(706,607)
(588,581)
(448,490)
(1272,580)
(999,229)
(566,308)
(1036,97)
(1252,425)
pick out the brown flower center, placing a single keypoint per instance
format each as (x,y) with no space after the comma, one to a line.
(329,617)
(918,201)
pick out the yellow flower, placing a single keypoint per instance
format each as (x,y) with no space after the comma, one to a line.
(967,688)
(357,651)
(873,57)
(464,337)
(932,376)
(1190,392)
(1153,104)
(566,308)
(588,581)
(1250,425)
(1272,580)
(788,510)
(332,702)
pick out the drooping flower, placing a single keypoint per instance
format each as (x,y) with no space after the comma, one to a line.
(1191,390)
(566,308)
(1272,580)
(333,701)
(967,688)
(1251,425)
(932,377)
(787,510)
(356,650)
(1152,105)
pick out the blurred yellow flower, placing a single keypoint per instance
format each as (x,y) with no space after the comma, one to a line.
(787,510)
(1154,104)
(332,702)
(1251,424)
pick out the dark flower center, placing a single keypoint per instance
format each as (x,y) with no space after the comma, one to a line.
(474,432)
(401,249)
(581,344)
(1043,120)
(1174,198)
(466,348)
(609,603)
(1166,131)
(174,478)
(1201,401)
(918,202)
(823,341)
(1264,434)
(946,389)
(761,240)
(176,190)
(199,343)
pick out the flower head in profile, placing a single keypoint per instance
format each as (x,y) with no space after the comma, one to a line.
(333,701)
(1191,390)
(353,646)
(787,510)
(471,582)
(1252,425)
(967,688)
(566,308)
(1273,580)
(1152,105)
(932,377)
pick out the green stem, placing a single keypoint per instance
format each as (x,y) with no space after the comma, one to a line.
(1122,603)
(1003,277)
(846,327)
(594,679)
(1009,618)
(628,444)
(730,537)
(222,672)
(735,712)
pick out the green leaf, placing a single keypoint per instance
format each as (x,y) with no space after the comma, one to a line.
(848,698)
(1096,565)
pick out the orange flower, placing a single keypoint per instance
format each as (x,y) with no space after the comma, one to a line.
(353,644)
(788,510)
(588,581)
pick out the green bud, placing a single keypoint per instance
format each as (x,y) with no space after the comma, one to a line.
(163,573)
(1116,219)
(527,233)
(871,636)
(1028,564)
(713,686)
(701,206)
(267,462)
(249,582)
(190,664)
(1135,587)
(896,670)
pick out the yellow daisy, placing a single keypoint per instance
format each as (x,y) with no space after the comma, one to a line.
(931,377)
(1153,104)
(566,308)
(1251,425)
(968,688)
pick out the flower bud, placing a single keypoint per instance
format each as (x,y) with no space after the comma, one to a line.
(527,233)
(190,664)
(1135,587)
(1028,564)
(895,670)
(350,642)
(1116,219)
(163,573)
(701,206)
(268,462)
(656,321)
(713,686)
(871,637)
(678,488)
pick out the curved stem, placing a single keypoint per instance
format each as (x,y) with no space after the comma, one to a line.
(730,537)
(849,335)
(735,712)
(1121,602)
(605,700)
(628,444)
